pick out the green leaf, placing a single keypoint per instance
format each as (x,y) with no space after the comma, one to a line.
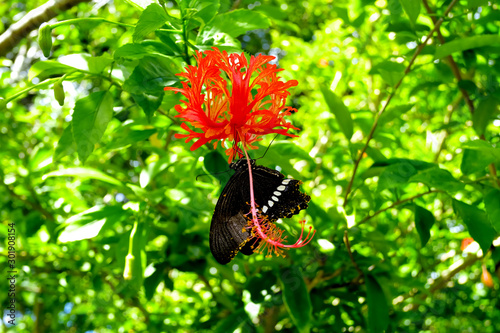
(417,164)
(438,178)
(46,69)
(206,10)
(390,71)
(475,161)
(296,298)
(233,321)
(151,76)
(131,52)
(395,112)
(280,154)
(86,62)
(477,156)
(411,8)
(152,18)
(90,119)
(234,24)
(375,154)
(492,207)
(395,9)
(84,173)
(340,111)
(130,137)
(290,149)
(66,144)
(467,43)
(216,165)
(476,3)
(424,220)
(477,222)
(169,43)
(148,103)
(140,4)
(74,233)
(483,146)
(485,111)
(152,281)
(140,255)
(378,310)
(89,223)
(140,50)
(396,175)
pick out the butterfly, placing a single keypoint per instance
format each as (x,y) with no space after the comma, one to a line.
(275,196)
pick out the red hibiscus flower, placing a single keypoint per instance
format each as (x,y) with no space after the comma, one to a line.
(229,98)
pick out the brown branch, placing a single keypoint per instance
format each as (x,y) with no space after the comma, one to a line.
(391,95)
(440,282)
(451,62)
(449,273)
(348,246)
(456,72)
(397,203)
(446,121)
(31,21)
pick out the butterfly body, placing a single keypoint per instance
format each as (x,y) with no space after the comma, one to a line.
(276,197)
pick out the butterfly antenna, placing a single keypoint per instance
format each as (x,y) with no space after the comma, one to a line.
(270,143)
(213,174)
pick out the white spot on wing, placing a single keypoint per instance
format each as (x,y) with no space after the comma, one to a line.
(277,193)
(286,181)
(281,188)
(275,198)
(264,209)
(270,203)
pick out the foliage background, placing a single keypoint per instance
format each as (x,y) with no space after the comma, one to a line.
(411,142)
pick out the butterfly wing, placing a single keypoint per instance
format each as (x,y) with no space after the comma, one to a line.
(228,233)
(276,197)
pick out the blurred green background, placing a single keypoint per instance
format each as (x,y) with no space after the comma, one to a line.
(398,149)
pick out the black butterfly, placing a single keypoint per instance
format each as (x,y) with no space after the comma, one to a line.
(276,197)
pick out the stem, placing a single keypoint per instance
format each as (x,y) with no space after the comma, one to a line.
(96,19)
(391,95)
(397,203)
(185,38)
(348,247)
(25,90)
(456,72)
(451,61)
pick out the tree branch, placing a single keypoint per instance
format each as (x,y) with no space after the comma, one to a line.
(397,203)
(391,95)
(449,59)
(456,72)
(31,21)
(348,246)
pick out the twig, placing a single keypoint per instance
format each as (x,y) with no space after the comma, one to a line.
(449,273)
(348,246)
(451,61)
(446,120)
(456,72)
(397,203)
(391,95)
